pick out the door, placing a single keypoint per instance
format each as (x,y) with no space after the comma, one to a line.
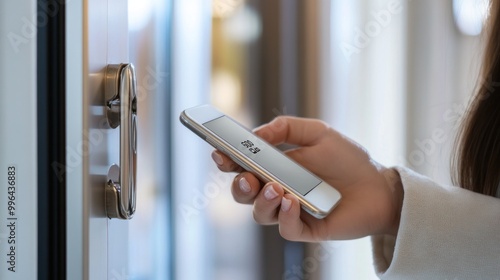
(96,36)
(99,35)
(57,144)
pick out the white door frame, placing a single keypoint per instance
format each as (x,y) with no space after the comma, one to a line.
(18,148)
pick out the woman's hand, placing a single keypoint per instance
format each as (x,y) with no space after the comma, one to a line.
(371,194)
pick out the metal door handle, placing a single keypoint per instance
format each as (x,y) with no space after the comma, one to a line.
(121,110)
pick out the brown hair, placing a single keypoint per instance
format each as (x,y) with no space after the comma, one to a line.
(477,159)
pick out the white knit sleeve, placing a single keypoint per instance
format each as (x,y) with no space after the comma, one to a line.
(445,233)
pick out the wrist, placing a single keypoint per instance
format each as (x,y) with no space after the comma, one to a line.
(396,192)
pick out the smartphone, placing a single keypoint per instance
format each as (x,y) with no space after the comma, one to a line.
(261,158)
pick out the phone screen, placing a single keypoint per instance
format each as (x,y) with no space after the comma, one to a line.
(264,155)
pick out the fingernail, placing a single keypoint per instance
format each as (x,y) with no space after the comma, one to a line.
(270,193)
(217,158)
(285,204)
(244,185)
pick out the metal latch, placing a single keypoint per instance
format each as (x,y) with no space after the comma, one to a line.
(121,111)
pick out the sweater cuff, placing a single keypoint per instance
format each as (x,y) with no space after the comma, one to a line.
(445,232)
(383,250)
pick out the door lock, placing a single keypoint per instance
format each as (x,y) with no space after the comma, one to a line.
(121,111)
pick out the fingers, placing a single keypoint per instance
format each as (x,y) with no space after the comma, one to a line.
(245,188)
(292,130)
(224,163)
(271,205)
(267,203)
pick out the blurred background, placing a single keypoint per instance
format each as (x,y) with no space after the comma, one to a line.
(394,75)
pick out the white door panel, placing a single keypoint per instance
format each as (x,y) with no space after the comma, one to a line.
(105,41)
(117,52)
(95,49)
